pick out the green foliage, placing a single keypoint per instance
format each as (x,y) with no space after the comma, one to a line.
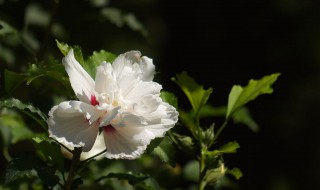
(28,109)
(239,96)
(170,98)
(163,149)
(236,172)
(132,179)
(184,143)
(195,92)
(6,29)
(50,151)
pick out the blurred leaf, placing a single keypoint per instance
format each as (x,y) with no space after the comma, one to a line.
(18,129)
(170,98)
(12,80)
(28,166)
(6,29)
(148,184)
(195,92)
(28,109)
(184,143)
(132,179)
(7,55)
(212,176)
(210,111)
(188,120)
(242,115)
(236,172)
(239,96)
(163,149)
(191,171)
(51,151)
(76,182)
(120,19)
(96,59)
(36,15)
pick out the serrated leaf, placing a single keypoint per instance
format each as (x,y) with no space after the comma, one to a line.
(164,150)
(132,179)
(195,92)
(170,98)
(239,96)
(28,109)
(96,59)
(50,151)
(236,172)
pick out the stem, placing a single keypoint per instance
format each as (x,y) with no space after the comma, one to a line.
(73,168)
(220,130)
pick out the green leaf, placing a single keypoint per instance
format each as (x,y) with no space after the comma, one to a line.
(170,98)
(165,150)
(148,184)
(213,175)
(243,116)
(96,59)
(18,129)
(228,148)
(195,92)
(28,109)
(239,96)
(12,80)
(208,136)
(188,120)
(51,151)
(17,169)
(236,172)
(132,179)
(65,48)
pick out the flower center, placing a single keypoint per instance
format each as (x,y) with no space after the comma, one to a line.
(93,100)
(108,129)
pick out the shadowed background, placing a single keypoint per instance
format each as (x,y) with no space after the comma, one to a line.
(219,43)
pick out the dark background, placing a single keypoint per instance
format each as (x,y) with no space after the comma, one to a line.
(219,43)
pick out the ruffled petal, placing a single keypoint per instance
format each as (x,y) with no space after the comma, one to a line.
(81,81)
(126,142)
(74,124)
(142,88)
(105,81)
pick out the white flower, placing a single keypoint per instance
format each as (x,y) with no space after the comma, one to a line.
(123,104)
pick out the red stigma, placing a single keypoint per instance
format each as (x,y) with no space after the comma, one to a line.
(108,129)
(93,100)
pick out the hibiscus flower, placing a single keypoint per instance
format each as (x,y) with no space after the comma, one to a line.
(122,104)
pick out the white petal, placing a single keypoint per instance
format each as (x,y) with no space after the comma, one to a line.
(98,147)
(161,120)
(142,88)
(146,104)
(74,124)
(148,69)
(126,142)
(81,81)
(105,81)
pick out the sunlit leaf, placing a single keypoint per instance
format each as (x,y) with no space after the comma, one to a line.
(228,148)
(170,98)
(239,96)
(65,48)
(195,92)
(96,59)
(163,149)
